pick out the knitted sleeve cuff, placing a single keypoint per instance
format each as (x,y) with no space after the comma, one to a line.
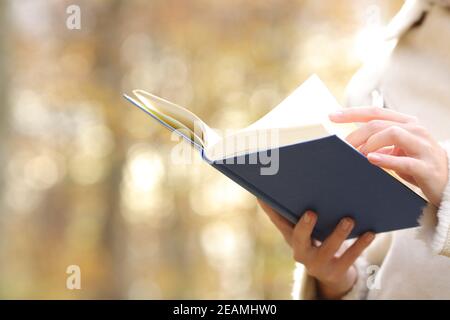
(435,222)
(305,288)
(360,288)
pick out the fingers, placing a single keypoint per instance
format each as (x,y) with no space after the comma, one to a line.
(387,150)
(365,114)
(301,237)
(283,225)
(393,136)
(415,153)
(360,135)
(322,262)
(332,244)
(354,251)
(402,165)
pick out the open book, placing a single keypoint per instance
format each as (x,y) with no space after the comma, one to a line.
(294,158)
(289,122)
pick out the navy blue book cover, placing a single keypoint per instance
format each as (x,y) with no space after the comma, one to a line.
(333,179)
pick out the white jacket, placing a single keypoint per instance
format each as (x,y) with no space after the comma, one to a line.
(415,79)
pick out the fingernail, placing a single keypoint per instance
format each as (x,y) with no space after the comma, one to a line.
(369,236)
(346,224)
(374,157)
(336,114)
(307,217)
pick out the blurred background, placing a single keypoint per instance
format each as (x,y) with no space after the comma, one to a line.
(86,179)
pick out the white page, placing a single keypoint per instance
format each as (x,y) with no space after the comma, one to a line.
(309,104)
(302,116)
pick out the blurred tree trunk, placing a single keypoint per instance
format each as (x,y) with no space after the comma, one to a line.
(109,73)
(3,87)
(4,23)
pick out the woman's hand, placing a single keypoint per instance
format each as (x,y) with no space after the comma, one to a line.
(396,141)
(334,271)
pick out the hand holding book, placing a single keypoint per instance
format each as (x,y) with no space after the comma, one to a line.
(396,141)
(333,270)
(391,140)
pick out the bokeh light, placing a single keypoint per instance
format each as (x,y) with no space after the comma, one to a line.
(87,179)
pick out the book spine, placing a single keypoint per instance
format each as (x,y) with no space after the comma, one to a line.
(255,191)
